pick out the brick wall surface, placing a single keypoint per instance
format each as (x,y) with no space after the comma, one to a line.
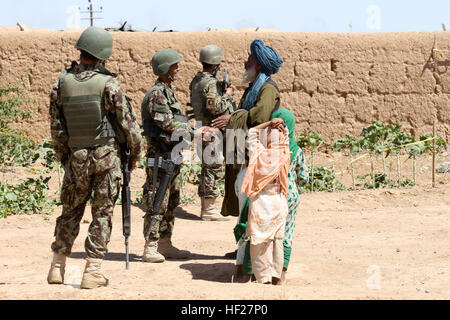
(335,84)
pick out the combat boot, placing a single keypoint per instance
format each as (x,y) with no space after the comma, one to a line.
(209,212)
(166,248)
(92,278)
(151,253)
(57,268)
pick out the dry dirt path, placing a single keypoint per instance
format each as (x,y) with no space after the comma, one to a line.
(372,244)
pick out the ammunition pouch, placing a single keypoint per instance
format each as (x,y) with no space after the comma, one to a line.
(181,118)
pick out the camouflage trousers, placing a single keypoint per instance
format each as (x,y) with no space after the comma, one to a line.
(89,173)
(164,228)
(209,181)
(210,176)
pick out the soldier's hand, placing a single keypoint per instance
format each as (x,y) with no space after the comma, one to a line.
(221,122)
(230,91)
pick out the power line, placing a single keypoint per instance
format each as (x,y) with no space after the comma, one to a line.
(91,13)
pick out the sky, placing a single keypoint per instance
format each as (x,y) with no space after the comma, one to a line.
(199,15)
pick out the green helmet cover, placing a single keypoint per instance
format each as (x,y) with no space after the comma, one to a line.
(211,54)
(97,42)
(163,60)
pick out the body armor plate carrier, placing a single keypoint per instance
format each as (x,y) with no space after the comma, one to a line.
(83,107)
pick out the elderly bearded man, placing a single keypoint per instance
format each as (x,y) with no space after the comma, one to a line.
(260,100)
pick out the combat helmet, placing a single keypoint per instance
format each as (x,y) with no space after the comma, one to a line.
(97,42)
(163,60)
(211,54)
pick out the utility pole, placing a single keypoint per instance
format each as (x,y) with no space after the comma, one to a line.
(91,13)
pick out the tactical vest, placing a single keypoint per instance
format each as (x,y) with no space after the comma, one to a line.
(151,129)
(198,101)
(83,107)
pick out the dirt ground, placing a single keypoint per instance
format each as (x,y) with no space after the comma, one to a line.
(367,244)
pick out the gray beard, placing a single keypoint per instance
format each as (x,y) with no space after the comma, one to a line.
(249,75)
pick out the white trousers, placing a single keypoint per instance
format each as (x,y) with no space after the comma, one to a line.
(267,260)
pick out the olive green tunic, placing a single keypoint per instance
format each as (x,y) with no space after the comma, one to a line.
(267,102)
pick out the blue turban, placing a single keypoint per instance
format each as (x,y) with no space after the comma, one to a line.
(270,62)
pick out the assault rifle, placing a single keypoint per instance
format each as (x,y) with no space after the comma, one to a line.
(168,167)
(226,79)
(126,198)
(227,84)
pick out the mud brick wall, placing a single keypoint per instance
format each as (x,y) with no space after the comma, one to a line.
(335,84)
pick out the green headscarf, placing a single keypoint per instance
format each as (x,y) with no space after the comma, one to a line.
(289,121)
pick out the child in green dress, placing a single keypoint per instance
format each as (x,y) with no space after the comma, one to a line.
(298,176)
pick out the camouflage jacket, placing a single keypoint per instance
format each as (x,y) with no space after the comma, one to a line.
(217,103)
(116,103)
(159,104)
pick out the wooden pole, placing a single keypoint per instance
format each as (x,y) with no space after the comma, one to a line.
(433,167)
(91,13)
(372,168)
(353,171)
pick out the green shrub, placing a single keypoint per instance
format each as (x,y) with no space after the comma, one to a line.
(27,197)
(324,180)
(16,150)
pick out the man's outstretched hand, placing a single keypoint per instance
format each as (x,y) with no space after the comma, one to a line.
(221,122)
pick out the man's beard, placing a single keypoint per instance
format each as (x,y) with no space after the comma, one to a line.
(249,75)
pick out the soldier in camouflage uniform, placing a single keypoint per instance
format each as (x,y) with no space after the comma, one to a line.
(89,112)
(210,98)
(161,116)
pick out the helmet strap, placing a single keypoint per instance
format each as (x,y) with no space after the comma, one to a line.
(214,72)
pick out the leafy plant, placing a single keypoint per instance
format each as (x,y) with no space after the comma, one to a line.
(11,98)
(376,138)
(422,146)
(353,146)
(312,141)
(428,145)
(383,139)
(382,181)
(46,152)
(400,139)
(191,173)
(324,180)
(28,197)
(16,150)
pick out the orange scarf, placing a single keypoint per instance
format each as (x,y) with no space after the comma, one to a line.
(266,164)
